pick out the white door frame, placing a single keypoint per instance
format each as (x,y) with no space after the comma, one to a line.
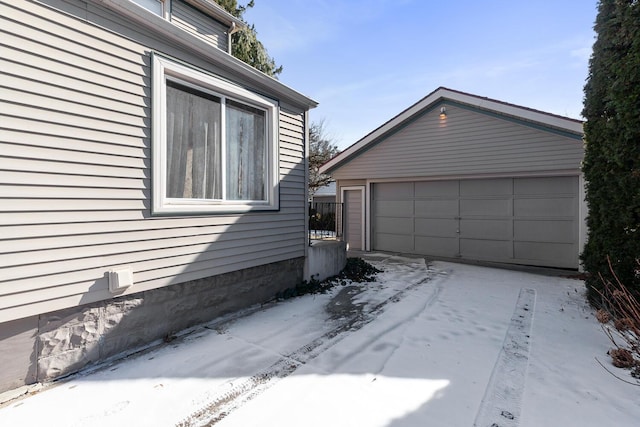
(363,209)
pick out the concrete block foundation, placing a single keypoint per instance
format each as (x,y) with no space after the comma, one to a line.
(51,345)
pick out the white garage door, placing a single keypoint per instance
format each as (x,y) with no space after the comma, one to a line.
(532,221)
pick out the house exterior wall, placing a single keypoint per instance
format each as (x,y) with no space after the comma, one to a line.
(478,151)
(50,345)
(199,24)
(474,146)
(468,142)
(75,179)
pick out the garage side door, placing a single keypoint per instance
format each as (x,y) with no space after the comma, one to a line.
(353,219)
(513,220)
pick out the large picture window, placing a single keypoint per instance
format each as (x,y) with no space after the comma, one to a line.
(214,144)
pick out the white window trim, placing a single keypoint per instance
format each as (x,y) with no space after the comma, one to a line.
(163,69)
(165,6)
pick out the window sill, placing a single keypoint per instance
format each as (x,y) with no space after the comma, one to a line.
(221,209)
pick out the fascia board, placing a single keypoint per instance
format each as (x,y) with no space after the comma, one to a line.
(190,42)
(522,113)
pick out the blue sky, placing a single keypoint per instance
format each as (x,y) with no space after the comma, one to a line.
(365,61)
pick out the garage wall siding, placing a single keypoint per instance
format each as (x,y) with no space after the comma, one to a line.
(467,142)
(75,168)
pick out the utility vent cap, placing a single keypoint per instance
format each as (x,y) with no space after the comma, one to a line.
(120,279)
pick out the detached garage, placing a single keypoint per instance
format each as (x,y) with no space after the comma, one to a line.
(461,176)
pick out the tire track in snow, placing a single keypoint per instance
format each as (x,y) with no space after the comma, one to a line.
(408,317)
(502,401)
(405,323)
(239,394)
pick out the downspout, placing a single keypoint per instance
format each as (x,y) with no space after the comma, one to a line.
(306,272)
(307,199)
(232,29)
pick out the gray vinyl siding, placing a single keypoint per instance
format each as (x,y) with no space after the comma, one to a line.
(292,165)
(347,183)
(199,24)
(470,142)
(75,177)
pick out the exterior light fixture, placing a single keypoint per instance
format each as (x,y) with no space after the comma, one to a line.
(443,113)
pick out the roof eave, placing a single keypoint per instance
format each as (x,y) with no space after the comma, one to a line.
(190,42)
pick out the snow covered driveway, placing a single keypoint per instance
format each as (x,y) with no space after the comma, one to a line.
(444,345)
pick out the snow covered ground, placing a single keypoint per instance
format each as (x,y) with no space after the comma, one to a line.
(439,345)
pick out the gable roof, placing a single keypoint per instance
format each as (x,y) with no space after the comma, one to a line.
(523,114)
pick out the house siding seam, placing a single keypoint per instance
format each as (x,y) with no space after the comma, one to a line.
(75,167)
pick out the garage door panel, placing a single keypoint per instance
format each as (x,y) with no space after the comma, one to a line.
(394,191)
(545,231)
(488,250)
(440,246)
(500,229)
(545,186)
(513,220)
(396,208)
(436,189)
(485,207)
(548,254)
(435,227)
(436,207)
(394,242)
(486,187)
(392,225)
(545,207)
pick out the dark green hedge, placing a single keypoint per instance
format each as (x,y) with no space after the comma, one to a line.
(612,147)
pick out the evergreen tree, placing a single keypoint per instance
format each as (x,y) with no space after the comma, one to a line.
(245,44)
(612,147)
(321,150)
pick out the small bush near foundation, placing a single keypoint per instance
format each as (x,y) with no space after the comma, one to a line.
(619,317)
(622,358)
(356,270)
(603,316)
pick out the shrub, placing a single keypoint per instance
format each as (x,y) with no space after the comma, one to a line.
(356,270)
(612,153)
(621,310)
